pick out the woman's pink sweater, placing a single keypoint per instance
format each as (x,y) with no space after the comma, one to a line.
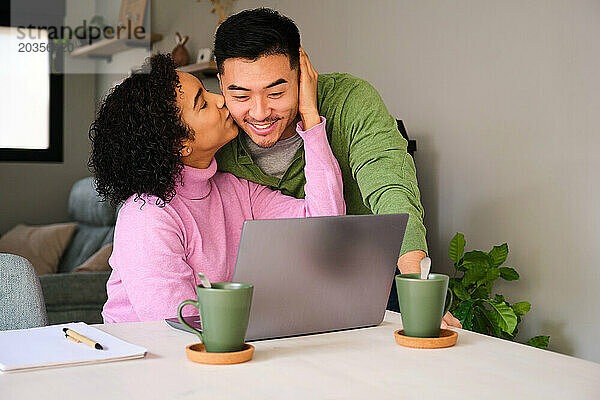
(158,251)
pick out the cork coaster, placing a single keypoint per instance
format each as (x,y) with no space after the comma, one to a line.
(447,339)
(197,353)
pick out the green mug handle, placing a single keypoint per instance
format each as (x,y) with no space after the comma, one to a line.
(448,303)
(195,304)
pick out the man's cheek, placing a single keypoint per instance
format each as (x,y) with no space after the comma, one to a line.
(286,108)
(237,113)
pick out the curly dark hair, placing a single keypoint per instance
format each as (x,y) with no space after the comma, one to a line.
(137,135)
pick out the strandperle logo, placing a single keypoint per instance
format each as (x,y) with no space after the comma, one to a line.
(83,32)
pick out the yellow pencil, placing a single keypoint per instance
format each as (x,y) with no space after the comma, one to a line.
(74,335)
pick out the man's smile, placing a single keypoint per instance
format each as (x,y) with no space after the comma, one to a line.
(263,128)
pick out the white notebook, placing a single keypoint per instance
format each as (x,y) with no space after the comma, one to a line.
(47,347)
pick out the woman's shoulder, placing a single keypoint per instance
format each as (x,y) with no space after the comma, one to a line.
(144,203)
(144,224)
(147,207)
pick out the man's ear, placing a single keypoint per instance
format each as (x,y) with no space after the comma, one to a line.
(220,83)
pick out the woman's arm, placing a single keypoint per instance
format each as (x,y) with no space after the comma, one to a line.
(149,256)
(323,190)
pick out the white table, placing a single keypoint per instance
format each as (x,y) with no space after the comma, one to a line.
(356,364)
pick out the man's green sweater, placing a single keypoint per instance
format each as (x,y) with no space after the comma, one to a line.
(379,175)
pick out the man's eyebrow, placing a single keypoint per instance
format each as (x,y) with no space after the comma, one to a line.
(197,96)
(236,87)
(277,82)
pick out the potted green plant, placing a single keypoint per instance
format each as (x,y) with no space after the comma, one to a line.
(474,275)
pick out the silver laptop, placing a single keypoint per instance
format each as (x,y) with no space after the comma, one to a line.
(313,275)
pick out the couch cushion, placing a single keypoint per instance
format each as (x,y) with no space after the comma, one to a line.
(87,240)
(98,261)
(41,245)
(85,205)
(96,220)
(109,237)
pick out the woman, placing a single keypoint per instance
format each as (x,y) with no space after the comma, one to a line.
(153,147)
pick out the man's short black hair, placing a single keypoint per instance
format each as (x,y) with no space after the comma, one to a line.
(251,34)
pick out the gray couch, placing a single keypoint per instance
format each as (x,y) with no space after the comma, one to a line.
(80,296)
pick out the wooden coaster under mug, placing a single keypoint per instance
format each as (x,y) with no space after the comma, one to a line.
(447,338)
(197,353)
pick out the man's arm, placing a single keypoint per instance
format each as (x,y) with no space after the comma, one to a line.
(381,166)
(385,172)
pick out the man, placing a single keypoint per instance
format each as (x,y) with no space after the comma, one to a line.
(258,55)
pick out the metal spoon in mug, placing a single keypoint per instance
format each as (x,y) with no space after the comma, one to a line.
(204,280)
(425,267)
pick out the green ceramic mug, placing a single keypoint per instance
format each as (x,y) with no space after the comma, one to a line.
(224,311)
(423,303)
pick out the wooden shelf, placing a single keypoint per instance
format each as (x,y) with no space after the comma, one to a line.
(108,47)
(208,68)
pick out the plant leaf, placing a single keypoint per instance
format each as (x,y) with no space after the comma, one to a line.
(490,276)
(480,322)
(521,307)
(508,274)
(499,298)
(460,291)
(541,342)
(482,292)
(515,331)
(507,336)
(508,318)
(493,324)
(457,247)
(499,254)
(452,282)
(476,257)
(474,275)
(464,313)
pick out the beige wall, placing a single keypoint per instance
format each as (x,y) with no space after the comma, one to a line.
(501,98)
